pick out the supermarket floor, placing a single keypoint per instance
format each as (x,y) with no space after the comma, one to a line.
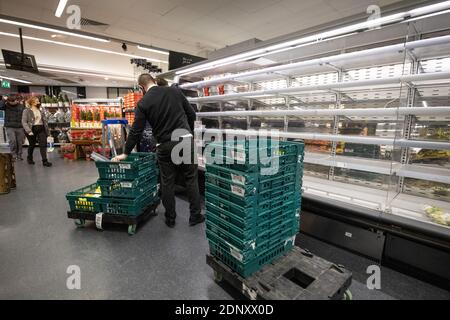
(38,243)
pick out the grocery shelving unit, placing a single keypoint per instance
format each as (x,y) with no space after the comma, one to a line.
(373,108)
(88,140)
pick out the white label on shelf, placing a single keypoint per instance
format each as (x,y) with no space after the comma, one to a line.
(238,179)
(349,235)
(238,190)
(236,254)
(126,184)
(238,155)
(98,220)
(124,166)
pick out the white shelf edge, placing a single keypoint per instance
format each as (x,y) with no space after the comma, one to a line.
(394,81)
(368,112)
(433,145)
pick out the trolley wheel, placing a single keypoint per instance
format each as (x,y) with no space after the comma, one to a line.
(80,223)
(348,295)
(132,229)
(218,277)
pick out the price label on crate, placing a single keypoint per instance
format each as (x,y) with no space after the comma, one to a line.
(126,184)
(238,179)
(238,155)
(99,220)
(125,166)
(236,254)
(238,191)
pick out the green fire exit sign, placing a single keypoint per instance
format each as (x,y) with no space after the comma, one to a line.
(6,84)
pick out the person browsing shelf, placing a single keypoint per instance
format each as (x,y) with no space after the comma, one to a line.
(36,128)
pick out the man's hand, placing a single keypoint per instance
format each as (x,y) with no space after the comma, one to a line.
(31,134)
(122,157)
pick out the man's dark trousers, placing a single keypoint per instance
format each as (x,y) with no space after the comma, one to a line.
(169,172)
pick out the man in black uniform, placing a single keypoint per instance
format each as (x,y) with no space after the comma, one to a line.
(167,110)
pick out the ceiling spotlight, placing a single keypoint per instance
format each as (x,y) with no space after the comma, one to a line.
(124,46)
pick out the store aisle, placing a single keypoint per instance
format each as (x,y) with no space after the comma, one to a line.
(38,243)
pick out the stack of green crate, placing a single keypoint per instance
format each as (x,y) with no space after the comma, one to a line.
(253,199)
(124,188)
(130,186)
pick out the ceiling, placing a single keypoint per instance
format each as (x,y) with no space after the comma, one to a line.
(193,26)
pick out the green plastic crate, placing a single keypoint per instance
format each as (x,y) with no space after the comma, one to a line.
(248,254)
(242,156)
(247,267)
(254,178)
(80,201)
(247,222)
(238,197)
(254,147)
(250,189)
(271,233)
(131,207)
(262,209)
(136,166)
(285,220)
(129,189)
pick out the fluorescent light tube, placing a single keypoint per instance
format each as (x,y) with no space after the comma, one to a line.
(153,50)
(60,9)
(33,26)
(82,47)
(14,79)
(89,74)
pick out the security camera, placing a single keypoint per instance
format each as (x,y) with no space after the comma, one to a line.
(124,46)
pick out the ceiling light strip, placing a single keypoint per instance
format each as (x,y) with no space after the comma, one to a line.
(88,74)
(153,50)
(399,17)
(60,9)
(33,26)
(14,79)
(83,47)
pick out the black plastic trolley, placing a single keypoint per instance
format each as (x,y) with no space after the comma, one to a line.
(132,221)
(299,275)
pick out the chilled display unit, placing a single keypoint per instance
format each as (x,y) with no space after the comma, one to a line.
(373,108)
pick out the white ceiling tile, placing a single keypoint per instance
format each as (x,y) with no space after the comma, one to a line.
(204,7)
(252,6)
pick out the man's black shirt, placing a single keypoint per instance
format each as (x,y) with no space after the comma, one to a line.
(166,109)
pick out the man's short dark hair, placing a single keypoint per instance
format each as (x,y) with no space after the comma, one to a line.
(161,82)
(145,79)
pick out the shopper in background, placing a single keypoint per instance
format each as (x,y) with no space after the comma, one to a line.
(167,109)
(13,124)
(36,128)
